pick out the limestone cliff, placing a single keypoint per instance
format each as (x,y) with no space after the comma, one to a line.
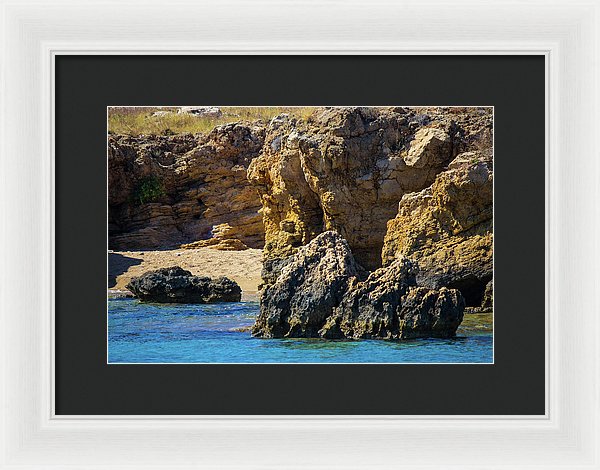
(447,229)
(346,169)
(170,190)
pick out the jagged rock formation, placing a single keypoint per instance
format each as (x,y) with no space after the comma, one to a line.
(170,190)
(447,229)
(346,169)
(319,293)
(309,287)
(351,170)
(176,285)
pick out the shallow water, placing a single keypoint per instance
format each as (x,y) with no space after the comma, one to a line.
(175,333)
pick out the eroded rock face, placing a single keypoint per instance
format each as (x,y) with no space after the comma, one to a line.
(170,190)
(447,229)
(347,169)
(176,285)
(388,305)
(369,308)
(319,293)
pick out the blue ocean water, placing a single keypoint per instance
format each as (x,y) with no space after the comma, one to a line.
(177,333)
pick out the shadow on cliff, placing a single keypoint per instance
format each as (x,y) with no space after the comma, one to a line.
(117,265)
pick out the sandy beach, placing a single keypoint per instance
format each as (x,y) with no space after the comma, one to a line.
(242,266)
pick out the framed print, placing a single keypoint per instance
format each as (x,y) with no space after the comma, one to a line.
(330,237)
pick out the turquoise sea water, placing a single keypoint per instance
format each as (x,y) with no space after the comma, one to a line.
(175,333)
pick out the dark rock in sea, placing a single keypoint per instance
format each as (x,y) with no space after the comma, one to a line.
(176,285)
(319,293)
(369,309)
(389,305)
(430,313)
(307,289)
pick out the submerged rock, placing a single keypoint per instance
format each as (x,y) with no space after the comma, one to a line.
(319,293)
(176,285)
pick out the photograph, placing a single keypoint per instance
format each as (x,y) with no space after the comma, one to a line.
(300,234)
(248,235)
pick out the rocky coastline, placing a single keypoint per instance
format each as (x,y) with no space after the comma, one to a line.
(375,223)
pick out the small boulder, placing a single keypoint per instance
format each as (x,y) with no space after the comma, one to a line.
(161,113)
(201,111)
(430,148)
(176,285)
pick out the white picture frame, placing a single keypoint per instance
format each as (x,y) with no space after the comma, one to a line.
(34,33)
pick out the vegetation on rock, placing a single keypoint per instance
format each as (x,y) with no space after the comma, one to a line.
(149,189)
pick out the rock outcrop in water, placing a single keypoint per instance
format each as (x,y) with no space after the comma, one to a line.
(165,191)
(319,293)
(307,290)
(176,285)
(352,170)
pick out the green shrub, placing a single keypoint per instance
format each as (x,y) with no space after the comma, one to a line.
(148,189)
